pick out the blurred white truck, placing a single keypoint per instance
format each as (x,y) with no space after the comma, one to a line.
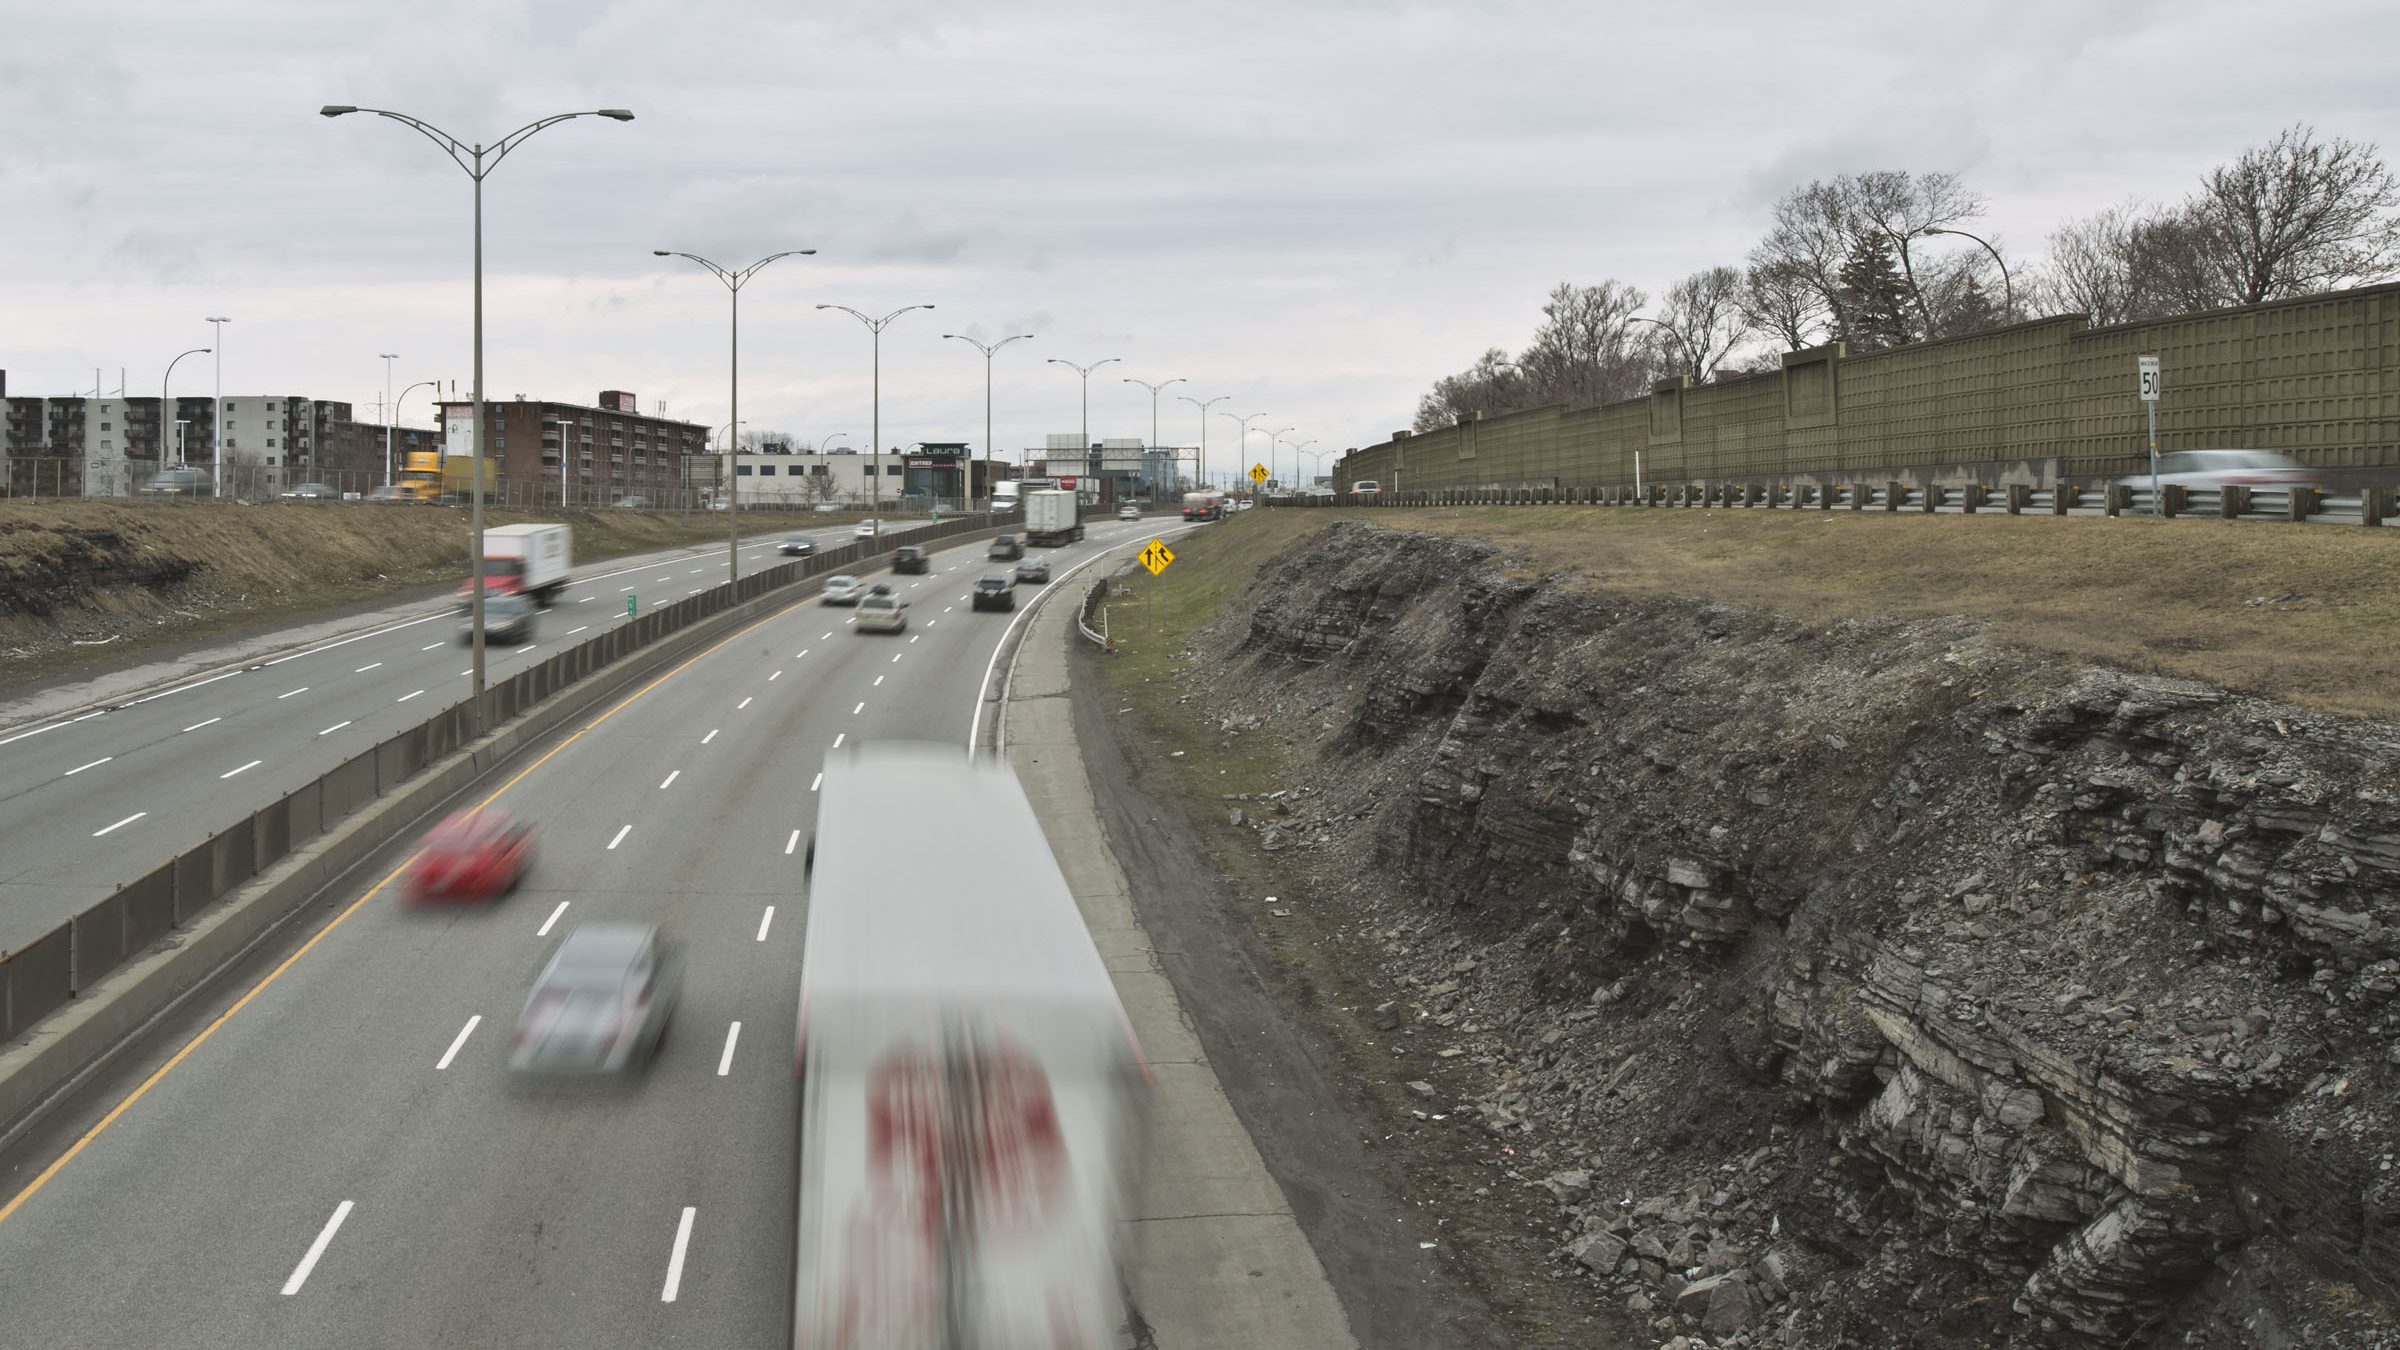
(527,560)
(1053,516)
(969,1086)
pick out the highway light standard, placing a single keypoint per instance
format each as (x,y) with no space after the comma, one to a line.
(389,415)
(2008,288)
(1296,449)
(734,282)
(435,386)
(875,418)
(1244,424)
(216,411)
(1200,470)
(478,160)
(1083,457)
(987,349)
(1271,441)
(166,409)
(1154,388)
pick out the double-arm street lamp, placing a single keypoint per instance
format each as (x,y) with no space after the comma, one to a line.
(967,483)
(1244,423)
(1200,470)
(734,281)
(478,160)
(1271,443)
(1296,448)
(876,326)
(166,410)
(1083,455)
(1154,388)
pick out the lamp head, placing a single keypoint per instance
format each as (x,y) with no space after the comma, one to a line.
(660,253)
(1933,229)
(616,114)
(336,109)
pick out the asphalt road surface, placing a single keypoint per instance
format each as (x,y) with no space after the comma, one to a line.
(91,802)
(344,1159)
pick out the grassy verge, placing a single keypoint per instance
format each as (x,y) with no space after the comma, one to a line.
(90,585)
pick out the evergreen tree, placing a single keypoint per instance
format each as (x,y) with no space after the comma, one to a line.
(1876,309)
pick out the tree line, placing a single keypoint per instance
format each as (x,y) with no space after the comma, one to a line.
(1889,257)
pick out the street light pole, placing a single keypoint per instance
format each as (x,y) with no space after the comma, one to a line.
(216,409)
(875,418)
(988,452)
(734,281)
(477,160)
(434,385)
(166,410)
(2008,289)
(1244,424)
(1154,388)
(1271,443)
(1200,470)
(391,414)
(1084,456)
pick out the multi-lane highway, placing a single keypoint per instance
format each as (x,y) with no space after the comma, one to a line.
(92,799)
(343,1158)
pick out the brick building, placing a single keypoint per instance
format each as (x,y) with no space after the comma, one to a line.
(610,451)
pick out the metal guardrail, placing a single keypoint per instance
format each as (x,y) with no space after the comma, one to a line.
(1091,610)
(2371,507)
(45,974)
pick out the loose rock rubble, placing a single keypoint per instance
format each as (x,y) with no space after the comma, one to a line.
(1850,983)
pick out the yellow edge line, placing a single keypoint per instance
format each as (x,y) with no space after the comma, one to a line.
(43,1179)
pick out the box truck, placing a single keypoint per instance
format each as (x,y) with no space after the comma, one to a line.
(970,1091)
(528,560)
(1206,504)
(1053,516)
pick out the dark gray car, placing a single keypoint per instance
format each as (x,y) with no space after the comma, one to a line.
(602,1004)
(506,618)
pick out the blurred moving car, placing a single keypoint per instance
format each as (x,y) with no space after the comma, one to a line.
(179,482)
(868,529)
(474,855)
(997,591)
(1006,547)
(882,612)
(842,589)
(632,503)
(2209,470)
(602,1004)
(312,492)
(389,495)
(1129,512)
(911,559)
(797,545)
(1034,569)
(506,618)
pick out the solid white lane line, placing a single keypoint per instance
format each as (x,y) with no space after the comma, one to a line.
(788,846)
(463,1033)
(710,736)
(813,783)
(670,780)
(367,667)
(431,645)
(544,930)
(837,740)
(317,1249)
(725,1061)
(769,917)
(244,769)
(209,723)
(741,705)
(683,1239)
(620,836)
(406,697)
(120,824)
(777,675)
(573,631)
(332,729)
(860,708)
(301,690)
(93,765)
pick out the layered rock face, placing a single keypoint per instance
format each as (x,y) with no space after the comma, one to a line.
(1869,983)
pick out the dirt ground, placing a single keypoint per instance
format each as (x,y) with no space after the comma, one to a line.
(90,586)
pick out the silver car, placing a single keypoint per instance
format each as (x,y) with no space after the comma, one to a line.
(506,619)
(2209,470)
(882,613)
(312,492)
(842,589)
(602,1004)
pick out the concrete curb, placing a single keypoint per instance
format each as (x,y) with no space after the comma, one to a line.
(88,1034)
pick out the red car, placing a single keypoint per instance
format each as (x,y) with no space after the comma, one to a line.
(473,855)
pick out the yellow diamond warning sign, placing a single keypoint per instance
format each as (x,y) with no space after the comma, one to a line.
(1258,473)
(1157,556)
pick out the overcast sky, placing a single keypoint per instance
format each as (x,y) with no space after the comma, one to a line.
(1315,208)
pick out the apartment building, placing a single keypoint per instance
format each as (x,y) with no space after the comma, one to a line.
(591,455)
(108,445)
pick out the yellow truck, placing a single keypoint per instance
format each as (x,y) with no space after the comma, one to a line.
(429,476)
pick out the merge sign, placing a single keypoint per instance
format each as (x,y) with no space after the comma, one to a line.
(2149,378)
(1258,473)
(1157,556)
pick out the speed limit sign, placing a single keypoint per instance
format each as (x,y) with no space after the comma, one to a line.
(2149,378)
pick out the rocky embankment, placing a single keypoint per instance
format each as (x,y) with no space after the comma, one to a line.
(1852,983)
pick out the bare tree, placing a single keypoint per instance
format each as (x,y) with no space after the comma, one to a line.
(1812,233)
(1584,352)
(1900,206)
(1705,311)
(2297,215)
(1490,386)
(1780,300)
(2090,268)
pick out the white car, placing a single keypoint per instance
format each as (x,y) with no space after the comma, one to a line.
(867,529)
(842,589)
(1129,512)
(882,613)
